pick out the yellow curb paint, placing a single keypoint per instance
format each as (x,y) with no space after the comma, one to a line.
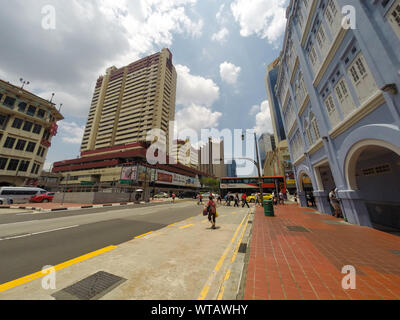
(221,294)
(39,274)
(171,225)
(203,293)
(227,275)
(206,288)
(239,242)
(187,226)
(143,235)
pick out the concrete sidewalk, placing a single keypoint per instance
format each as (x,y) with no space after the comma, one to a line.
(186,260)
(300,253)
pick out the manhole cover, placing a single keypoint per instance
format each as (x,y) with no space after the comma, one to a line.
(397,252)
(297,229)
(90,288)
(243,248)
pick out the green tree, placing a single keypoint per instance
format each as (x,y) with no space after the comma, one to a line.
(211,183)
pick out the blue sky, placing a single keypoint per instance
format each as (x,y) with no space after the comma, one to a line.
(220,48)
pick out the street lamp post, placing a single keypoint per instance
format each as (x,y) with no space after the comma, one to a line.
(257,164)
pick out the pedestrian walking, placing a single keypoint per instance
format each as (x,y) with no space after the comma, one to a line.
(236,200)
(219,199)
(200,199)
(244,201)
(173,197)
(335,203)
(275,198)
(212,211)
(257,199)
(295,197)
(281,198)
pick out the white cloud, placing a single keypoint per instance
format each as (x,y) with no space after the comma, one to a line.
(263,118)
(229,72)
(221,35)
(193,89)
(196,94)
(197,117)
(71,132)
(266,19)
(254,110)
(90,36)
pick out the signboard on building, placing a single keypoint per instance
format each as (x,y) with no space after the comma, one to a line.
(165,177)
(129,173)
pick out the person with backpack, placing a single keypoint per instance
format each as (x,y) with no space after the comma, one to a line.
(212,211)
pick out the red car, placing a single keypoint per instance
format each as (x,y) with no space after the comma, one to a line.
(44,197)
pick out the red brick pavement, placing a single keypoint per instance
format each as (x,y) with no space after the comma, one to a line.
(292,265)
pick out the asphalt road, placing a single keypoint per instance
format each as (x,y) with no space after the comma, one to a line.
(30,242)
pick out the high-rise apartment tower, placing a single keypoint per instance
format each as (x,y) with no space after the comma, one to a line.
(130,101)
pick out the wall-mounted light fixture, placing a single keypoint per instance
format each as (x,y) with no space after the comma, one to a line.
(390,88)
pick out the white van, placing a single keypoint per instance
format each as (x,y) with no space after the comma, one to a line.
(10,195)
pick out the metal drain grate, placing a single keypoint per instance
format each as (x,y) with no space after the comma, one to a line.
(250,222)
(243,248)
(90,288)
(297,229)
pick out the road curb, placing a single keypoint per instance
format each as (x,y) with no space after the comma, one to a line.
(95,206)
(243,276)
(71,208)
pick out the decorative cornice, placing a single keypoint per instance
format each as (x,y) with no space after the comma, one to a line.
(304,105)
(373,103)
(292,128)
(299,160)
(329,57)
(296,64)
(309,20)
(315,147)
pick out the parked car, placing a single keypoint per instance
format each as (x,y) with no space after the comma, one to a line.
(10,195)
(161,195)
(252,198)
(44,197)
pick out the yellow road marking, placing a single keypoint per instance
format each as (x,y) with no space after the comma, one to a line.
(143,235)
(39,274)
(239,242)
(187,226)
(221,294)
(171,225)
(219,264)
(228,273)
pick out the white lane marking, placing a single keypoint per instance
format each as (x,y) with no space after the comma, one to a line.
(58,229)
(26,213)
(40,232)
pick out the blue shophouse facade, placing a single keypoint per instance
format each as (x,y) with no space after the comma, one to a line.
(338,93)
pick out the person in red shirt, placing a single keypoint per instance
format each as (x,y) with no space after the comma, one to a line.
(244,201)
(173,197)
(212,211)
